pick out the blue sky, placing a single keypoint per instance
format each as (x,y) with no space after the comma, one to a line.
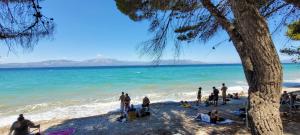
(96,29)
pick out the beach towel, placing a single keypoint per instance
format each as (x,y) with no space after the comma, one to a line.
(205,118)
(68,131)
(226,121)
(121,119)
(186,105)
(237,112)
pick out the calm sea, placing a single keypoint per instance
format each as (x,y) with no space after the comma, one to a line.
(55,93)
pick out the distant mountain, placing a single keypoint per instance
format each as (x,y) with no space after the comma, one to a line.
(94,62)
(287,61)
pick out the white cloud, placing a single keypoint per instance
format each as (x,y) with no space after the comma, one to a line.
(99,55)
(3,59)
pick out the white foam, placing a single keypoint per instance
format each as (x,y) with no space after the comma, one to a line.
(237,89)
(65,112)
(293,81)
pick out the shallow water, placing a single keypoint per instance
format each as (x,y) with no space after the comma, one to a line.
(47,93)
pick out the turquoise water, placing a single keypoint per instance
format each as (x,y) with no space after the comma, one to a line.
(42,93)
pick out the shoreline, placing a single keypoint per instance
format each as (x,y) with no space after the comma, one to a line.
(46,124)
(107,124)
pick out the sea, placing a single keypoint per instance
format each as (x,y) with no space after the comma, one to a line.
(72,92)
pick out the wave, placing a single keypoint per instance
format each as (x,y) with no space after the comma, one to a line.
(294,80)
(74,111)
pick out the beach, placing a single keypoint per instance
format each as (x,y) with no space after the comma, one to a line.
(166,118)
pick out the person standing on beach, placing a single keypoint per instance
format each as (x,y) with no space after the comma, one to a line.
(216,96)
(127,102)
(224,89)
(199,95)
(122,99)
(21,126)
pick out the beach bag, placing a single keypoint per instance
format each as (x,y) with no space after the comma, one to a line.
(131,115)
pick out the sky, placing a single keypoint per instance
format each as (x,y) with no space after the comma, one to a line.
(96,29)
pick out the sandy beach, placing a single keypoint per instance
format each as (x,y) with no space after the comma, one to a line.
(166,118)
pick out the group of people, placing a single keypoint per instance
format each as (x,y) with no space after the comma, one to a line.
(125,102)
(288,98)
(128,110)
(210,117)
(214,96)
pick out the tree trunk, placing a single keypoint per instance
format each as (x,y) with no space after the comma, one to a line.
(266,76)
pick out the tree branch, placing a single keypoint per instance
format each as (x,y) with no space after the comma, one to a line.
(296,3)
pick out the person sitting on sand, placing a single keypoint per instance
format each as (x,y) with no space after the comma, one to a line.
(211,97)
(216,96)
(214,116)
(21,126)
(209,100)
(132,108)
(224,89)
(185,104)
(236,96)
(199,95)
(146,102)
(293,100)
(131,113)
(122,99)
(284,98)
(127,102)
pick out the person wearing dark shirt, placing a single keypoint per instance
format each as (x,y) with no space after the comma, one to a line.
(146,102)
(199,95)
(216,96)
(21,126)
(127,102)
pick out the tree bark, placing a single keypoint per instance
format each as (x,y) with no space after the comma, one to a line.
(266,76)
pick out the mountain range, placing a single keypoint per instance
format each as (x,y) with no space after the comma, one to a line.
(94,62)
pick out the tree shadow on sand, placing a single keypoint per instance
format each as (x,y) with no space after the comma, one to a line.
(166,118)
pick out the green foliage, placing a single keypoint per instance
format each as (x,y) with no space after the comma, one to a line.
(292,51)
(23,24)
(186,21)
(294,30)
